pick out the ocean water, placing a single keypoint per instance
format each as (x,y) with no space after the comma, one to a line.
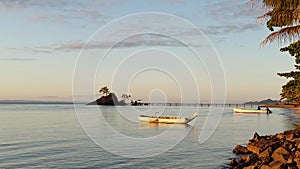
(68,136)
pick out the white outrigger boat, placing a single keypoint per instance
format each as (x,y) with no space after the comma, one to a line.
(167,119)
(252,111)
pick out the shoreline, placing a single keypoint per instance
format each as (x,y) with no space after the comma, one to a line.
(288,106)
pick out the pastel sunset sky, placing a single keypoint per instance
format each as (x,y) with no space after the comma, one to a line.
(169,50)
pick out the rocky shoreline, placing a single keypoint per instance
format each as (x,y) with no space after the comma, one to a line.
(279,151)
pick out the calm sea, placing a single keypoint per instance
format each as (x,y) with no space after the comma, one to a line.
(55,136)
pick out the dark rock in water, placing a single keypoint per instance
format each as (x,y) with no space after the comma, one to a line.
(109,100)
(240,150)
(256,137)
(233,162)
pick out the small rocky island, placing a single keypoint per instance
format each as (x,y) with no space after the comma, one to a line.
(274,151)
(110,99)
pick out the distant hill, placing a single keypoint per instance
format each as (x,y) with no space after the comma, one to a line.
(268,101)
(33,102)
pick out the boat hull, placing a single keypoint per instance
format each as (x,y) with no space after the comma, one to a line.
(166,119)
(237,110)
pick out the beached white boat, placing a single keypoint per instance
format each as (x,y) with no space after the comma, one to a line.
(237,110)
(167,119)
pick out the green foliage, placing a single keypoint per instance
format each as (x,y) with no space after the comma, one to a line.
(285,15)
(294,50)
(125,97)
(104,90)
(291,90)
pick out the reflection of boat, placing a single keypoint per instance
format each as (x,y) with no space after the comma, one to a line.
(167,119)
(146,125)
(250,111)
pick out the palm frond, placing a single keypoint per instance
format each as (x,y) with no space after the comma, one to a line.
(290,34)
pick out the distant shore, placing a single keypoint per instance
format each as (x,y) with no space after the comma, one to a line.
(289,106)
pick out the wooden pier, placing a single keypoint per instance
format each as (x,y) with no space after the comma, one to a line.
(204,104)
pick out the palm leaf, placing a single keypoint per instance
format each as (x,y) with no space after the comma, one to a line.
(283,35)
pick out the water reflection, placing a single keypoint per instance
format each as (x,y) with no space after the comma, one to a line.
(163,125)
(292,117)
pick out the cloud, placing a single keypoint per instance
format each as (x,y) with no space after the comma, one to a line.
(17,59)
(230,28)
(232,10)
(22,4)
(42,50)
(147,39)
(134,42)
(62,4)
(60,11)
(67,16)
(232,16)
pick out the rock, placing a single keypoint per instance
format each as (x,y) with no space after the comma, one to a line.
(279,157)
(277,165)
(265,156)
(297,154)
(244,159)
(281,150)
(297,161)
(254,148)
(274,151)
(233,162)
(292,167)
(266,153)
(265,167)
(256,137)
(240,150)
(109,100)
(290,160)
(297,142)
(290,137)
(250,167)
(280,136)
(262,144)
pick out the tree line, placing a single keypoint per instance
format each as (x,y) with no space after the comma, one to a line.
(283,20)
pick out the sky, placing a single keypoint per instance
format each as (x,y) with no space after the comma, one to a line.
(157,51)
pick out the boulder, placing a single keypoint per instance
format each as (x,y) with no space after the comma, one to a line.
(277,165)
(250,167)
(259,146)
(266,153)
(265,167)
(297,161)
(279,157)
(233,162)
(297,154)
(281,150)
(274,151)
(238,149)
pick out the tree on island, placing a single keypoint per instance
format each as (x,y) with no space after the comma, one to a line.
(125,97)
(285,15)
(104,90)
